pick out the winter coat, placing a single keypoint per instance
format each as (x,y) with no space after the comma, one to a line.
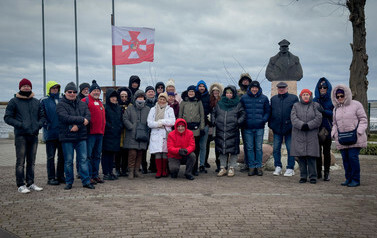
(48,104)
(346,116)
(305,143)
(280,119)
(97,112)
(131,117)
(228,116)
(123,107)
(192,112)
(24,114)
(158,138)
(257,108)
(178,141)
(326,103)
(204,97)
(242,90)
(114,123)
(175,107)
(72,113)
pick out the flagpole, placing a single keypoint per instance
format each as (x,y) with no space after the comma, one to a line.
(77,61)
(113,23)
(43,45)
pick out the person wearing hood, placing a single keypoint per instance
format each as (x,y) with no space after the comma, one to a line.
(181,146)
(121,158)
(306,119)
(280,124)
(113,130)
(74,117)
(170,88)
(349,115)
(51,134)
(84,91)
(191,109)
(96,130)
(228,116)
(160,88)
(25,114)
(134,85)
(323,97)
(161,119)
(202,90)
(137,133)
(257,108)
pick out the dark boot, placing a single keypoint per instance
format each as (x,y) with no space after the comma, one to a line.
(326,176)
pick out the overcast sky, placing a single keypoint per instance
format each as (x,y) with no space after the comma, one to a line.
(194,40)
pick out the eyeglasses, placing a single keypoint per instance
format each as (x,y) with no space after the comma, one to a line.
(70,92)
(339,96)
(123,96)
(322,87)
(160,87)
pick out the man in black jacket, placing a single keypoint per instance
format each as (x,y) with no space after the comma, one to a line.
(24,113)
(280,123)
(74,116)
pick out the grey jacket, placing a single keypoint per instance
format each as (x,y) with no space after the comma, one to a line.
(305,143)
(131,117)
(192,112)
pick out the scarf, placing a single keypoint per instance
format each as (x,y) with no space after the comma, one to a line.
(140,104)
(227,104)
(26,94)
(160,111)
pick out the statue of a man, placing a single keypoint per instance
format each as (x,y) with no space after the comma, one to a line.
(284,66)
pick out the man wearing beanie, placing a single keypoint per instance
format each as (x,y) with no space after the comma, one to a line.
(150,96)
(74,116)
(257,108)
(51,134)
(24,113)
(84,90)
(96,131)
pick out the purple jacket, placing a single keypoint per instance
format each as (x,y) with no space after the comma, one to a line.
(346,116)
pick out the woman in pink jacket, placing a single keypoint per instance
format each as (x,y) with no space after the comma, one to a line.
(349,115)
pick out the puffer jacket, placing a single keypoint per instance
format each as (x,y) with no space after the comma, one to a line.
(192,111)
(114,124)
(24,114)
(305,143)
(48,104)
(257,108)
(228,116)
(346,116)
(280,119)
(204,97)
(326,103)
(178,141)
(72,113)
(97,112)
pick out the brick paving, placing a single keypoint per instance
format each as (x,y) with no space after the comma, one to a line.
(241,206)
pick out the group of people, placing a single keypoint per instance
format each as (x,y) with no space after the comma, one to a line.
(177,129)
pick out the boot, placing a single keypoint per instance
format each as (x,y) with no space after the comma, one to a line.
(138,174)
(159,168)
(326,176)
(164,167)
(131,174)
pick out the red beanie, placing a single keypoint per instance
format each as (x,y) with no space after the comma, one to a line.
(24,82)
(305,91)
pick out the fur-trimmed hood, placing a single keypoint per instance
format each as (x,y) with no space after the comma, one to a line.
(347,95)
(216,85)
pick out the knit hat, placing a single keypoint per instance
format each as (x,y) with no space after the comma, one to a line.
(306,91)
(94,86)
(24,82)
(139,93)
(149,88)
(164,94)
(170,82)
(70,86)
(254,84)
(84,85)
(339,91)
(191,87)
(171,94)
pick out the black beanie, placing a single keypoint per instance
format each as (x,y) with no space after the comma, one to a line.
(149,88)
(84,85)
(191,87)
(94,86)
(70,86)
(254,84)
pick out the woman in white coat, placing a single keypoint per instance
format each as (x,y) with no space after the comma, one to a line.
(160,119)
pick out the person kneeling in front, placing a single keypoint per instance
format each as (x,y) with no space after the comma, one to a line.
(181,146)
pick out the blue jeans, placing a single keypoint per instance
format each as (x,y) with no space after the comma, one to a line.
(94,144)
(278,140)
(351,164)
(203,146)
(254,142)
(81,156)
(26,148)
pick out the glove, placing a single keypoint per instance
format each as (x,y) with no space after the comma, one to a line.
(202,132)
(182,152)
(305,127)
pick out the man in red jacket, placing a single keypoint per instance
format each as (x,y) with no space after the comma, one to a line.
(96,131)
(181,147)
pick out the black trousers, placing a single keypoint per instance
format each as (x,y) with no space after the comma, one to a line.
(51,147)
(326,148)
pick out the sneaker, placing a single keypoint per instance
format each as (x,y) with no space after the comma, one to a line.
(222,172)
(108,177)
(231,172)
(68,187)
(303,180)
(289,173)
(277,171)
(23,189)
(35,187)
(53,182)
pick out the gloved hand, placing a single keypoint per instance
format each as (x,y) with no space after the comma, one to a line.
(202,132)
(182,152)
(305,127)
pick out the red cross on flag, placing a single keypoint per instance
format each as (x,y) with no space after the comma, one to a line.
(132,45)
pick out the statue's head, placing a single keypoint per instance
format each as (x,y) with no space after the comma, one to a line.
(284,46)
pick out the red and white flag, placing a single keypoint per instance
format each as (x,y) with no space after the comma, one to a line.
(132,45)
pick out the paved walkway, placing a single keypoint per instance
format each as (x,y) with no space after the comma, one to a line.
(241,206)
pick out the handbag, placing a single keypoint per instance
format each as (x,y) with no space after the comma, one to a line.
(322,134)
(347,137)
(142,132)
